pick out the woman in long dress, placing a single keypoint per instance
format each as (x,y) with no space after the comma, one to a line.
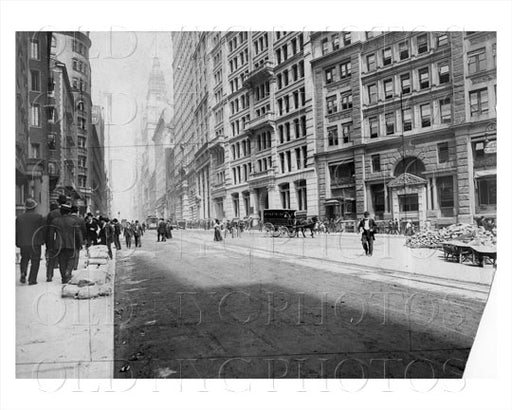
(217,236)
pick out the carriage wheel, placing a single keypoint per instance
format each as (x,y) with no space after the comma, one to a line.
(291,232)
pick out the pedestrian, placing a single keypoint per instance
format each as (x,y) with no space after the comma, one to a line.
(30,234)
(137,233)
(80,222)
(117,232)
(367,228)
(143,230)
(92,227)
(169,229)
(161,231)
(128,233)
(217,235)
(67,240)
(52,258)
(408,228)
(106,234)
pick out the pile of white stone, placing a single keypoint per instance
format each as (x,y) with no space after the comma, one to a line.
(470,234)
(94,278)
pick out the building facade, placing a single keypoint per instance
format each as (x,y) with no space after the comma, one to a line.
(100,190)
(72,49)
(395,129)
(156,101)
(334,123)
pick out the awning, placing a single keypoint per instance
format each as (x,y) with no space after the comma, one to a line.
(485,173)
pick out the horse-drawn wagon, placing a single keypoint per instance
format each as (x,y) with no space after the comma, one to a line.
(287,222)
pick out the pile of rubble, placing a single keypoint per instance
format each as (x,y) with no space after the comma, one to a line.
(94,278)
(470,234)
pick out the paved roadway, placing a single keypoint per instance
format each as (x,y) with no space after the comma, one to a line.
(194,308)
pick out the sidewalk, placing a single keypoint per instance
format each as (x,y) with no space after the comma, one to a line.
(62,337)
(390,255)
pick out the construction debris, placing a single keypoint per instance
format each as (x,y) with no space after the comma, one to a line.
(470,234)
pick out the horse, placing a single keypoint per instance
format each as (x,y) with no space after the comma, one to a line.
(310,224)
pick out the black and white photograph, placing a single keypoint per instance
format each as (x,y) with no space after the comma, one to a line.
(248,204)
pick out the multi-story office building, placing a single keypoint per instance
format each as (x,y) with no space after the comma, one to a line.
(398,117)
(37,177)
(99,184)
(63,142)
(156,101)
(254,149)
(72,49)
(23,111)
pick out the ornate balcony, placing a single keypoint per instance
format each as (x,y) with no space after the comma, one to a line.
(266,120)
(262,72)
(262,178)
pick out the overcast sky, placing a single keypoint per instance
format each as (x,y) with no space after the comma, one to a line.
(120,66)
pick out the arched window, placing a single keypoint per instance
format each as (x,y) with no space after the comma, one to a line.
(410,165)
(80,106)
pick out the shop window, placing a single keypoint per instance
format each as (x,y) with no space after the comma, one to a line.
(487,191)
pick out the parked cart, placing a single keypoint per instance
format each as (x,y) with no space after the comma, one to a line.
(461,252)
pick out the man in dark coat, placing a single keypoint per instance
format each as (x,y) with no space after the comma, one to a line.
(29,238)
(367,227)
(91,226)
(117,232)
(51,253)
(106,235)
(161,231)
(128,233)
(137,233)
(80,222)
(67,240)
(169,229)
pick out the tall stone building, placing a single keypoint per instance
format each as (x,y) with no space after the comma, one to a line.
(72,49)
(23,111)
(398,120)
(156,101)
(254,148)
(99,184)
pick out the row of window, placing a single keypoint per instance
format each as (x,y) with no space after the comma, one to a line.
(79,84)
(239,103)
(262,91)
(263,140)
(406,83)
(237,40)
(79,47)
(344,71)
(239,60)
(420,116)
(301,159)
(332,103)
(261,44)
(79,66)
(301,192)
(239,125)
(264,109)
(333,137)
(477,59)
(241,173)
(332,42)
(299,129)
(402,51)
(299,100)
(296,46)
(241,149)
(295,72)
(217,77)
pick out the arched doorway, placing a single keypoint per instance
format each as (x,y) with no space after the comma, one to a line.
(408,190)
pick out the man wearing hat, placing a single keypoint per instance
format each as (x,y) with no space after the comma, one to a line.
(367,227)
(68,240)
(51,253)
(29,238)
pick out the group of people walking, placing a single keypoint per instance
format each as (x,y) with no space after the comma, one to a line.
(164,230)
(64,233)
